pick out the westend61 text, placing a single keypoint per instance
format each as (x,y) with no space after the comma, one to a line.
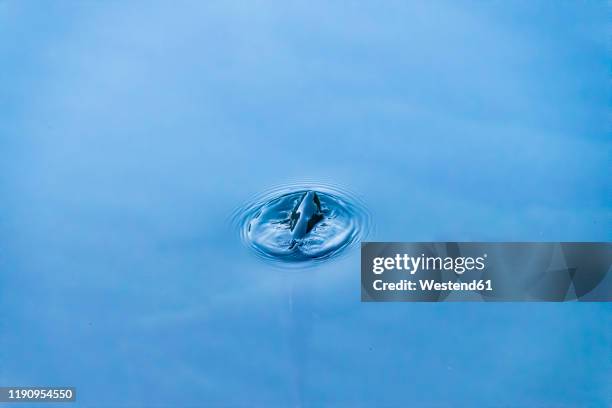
(430,284)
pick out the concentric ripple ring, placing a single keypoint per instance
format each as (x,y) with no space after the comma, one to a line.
(302,223)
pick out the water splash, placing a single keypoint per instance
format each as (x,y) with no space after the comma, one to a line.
(302,224)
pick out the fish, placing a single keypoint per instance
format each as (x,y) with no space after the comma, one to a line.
(306,214)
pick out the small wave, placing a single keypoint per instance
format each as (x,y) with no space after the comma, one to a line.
(301,224)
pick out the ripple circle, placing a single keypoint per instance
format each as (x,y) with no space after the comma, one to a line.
(264,224)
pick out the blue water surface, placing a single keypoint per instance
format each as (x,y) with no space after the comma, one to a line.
(131,131)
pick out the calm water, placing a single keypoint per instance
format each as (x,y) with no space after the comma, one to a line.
(130,133)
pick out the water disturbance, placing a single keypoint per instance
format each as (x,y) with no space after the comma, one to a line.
(302,224)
